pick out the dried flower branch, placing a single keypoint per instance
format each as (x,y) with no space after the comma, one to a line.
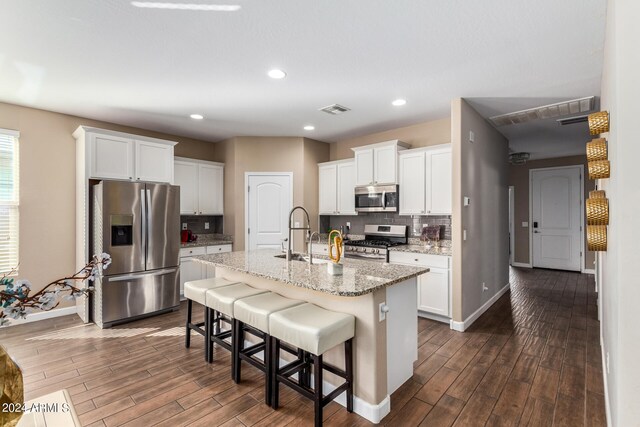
(16,300)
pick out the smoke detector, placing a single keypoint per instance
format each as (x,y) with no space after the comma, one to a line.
(518,158)
(335,109)
(574,106)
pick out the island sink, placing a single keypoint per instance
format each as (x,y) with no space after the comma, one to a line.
(300,257)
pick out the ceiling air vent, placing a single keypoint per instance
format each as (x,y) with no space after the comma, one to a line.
(518,158)
(573,120)
(335,109)
(574,106)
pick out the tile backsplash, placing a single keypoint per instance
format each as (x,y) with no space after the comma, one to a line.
(196,223)
(358,222)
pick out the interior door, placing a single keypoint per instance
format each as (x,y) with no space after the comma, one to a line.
(269,203)
(556,205)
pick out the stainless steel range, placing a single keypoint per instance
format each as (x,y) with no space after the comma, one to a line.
(377,238)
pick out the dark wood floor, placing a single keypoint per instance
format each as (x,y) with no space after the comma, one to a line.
(532,359)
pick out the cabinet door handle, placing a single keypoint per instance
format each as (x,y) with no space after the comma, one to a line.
(130,177)
(416,259)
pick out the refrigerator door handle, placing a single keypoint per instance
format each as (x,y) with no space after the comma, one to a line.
(144,222)
(126,277)
(148,222)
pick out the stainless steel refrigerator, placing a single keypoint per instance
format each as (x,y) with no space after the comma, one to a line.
(138,224)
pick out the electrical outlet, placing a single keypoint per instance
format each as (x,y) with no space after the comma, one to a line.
(484,287)
(206,225)
(383,309)
(472,136)
(348,224)
(466,201)
(184,225)
(464,234)
(525,224)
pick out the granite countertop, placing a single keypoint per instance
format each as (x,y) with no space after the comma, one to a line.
(209,240)
(359,277)
(418,247)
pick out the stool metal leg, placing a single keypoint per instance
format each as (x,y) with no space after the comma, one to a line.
(275,361)
(187,339)
(348,367)
(268,389)
(317,389)
(208,344)
(237,344)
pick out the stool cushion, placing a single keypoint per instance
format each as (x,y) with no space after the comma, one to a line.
(221,299)
(255,310)
(196,289)
(312,328)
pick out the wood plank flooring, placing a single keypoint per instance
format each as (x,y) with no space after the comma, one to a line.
(532,359)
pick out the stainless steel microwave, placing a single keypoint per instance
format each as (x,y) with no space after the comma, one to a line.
(377,198)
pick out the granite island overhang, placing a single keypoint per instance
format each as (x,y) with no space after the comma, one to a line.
(385,344)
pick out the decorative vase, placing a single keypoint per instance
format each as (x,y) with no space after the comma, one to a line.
(12,393)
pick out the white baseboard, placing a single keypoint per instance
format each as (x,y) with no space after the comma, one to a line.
(436,317)
(521,264)
(464,325)
(607,405)
(589,271)
(42,315)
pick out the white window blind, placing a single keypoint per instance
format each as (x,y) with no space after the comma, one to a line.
(9,200)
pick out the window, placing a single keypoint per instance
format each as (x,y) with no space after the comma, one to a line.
(9,200)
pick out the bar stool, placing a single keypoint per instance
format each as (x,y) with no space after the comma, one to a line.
(219,307)
(195,291)
(314,330)
(251,315)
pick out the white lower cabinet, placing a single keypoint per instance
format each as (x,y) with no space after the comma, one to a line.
(190,269)
(434,287)
(433,292)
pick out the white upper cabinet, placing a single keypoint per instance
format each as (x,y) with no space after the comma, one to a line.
(378,163)
(412,181)
(364,166)
(154,162)
(425,181)
(107,154)
(201,186)
(186,176)
(111,157)
(327,189)
(441,176)
(337,181)
(211,189)
(346,199)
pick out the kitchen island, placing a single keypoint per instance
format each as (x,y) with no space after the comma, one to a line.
(385,344)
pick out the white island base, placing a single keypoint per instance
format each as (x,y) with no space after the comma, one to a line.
(385,344)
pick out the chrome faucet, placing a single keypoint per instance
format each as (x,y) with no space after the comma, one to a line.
(310,247)
(291,228)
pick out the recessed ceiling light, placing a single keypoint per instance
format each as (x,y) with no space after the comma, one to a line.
(399,102)
(197,116)
(277,74)
(187,6)
(309,127)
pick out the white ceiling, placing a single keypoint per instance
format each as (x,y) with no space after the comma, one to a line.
(149,68)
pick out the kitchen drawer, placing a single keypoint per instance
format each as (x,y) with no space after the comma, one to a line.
(199,250)
(322,249)
(216,249)
(423,260)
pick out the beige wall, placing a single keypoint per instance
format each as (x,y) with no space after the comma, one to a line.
(519,178)
(618,283)
(270,154)
(421,135)
(480,171)
(47,186)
